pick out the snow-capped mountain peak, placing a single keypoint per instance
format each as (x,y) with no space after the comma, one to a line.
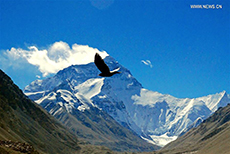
(213,102)
(156,117)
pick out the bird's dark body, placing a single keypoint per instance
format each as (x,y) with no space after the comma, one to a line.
(105,72)
(108,75)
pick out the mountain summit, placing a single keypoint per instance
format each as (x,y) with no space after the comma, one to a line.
(155,117)
(85,103)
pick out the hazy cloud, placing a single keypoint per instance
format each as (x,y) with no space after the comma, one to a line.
(147,62)
(56,57)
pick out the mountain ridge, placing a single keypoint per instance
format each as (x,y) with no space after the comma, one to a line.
(72,97)
(157,118)
(27,127)
(211,136)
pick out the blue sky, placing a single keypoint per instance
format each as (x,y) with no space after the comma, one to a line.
(167,45)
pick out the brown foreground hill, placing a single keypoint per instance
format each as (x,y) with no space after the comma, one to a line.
(27,128)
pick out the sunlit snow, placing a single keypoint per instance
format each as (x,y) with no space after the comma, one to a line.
(161,117)
(90,87)
(162,140)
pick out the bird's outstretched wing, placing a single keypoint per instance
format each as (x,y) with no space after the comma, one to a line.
(99,62)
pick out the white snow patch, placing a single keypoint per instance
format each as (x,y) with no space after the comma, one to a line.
(90,88)
(102,97)
(66,95)
(53,112)
(83,107)
(34,93)
(60,103)
(162,140)
(50,96)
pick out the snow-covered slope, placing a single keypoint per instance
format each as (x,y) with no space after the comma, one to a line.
(157,118)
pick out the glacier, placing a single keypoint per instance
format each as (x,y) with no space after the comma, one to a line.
(155,117)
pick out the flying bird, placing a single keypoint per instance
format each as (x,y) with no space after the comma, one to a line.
(105,72)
